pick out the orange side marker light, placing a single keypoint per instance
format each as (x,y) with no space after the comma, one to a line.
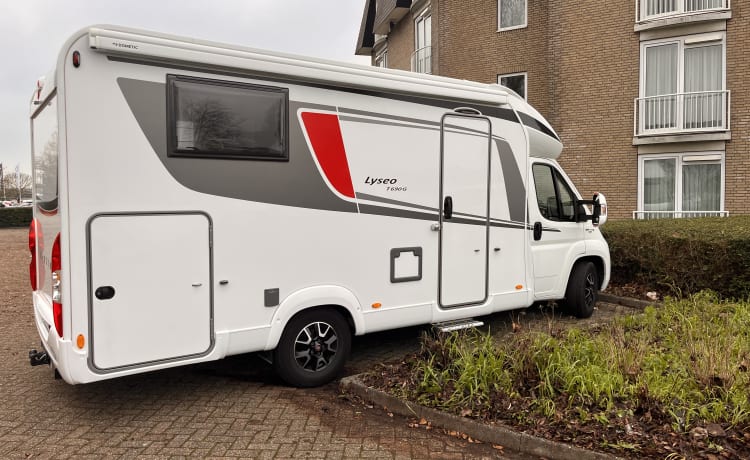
(80,341)
(519,287)
(377,305)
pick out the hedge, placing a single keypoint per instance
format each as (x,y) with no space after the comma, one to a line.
(682,256)
(15,217)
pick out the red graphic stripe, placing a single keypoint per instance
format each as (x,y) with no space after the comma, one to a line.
(325,136)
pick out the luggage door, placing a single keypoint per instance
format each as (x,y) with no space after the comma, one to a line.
(464,209)
(149,288)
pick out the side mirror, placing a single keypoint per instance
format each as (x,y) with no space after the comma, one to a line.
(602,205)
(598,210)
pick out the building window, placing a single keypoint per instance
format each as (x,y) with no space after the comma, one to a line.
(683,83)
(651,9)
(381,59)
(421,60)
(223,119)
(511,14)
(515,82)
(681,185)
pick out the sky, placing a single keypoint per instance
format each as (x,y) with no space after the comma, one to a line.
(33,31)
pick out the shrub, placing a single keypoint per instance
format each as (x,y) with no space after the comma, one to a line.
(683,256)
(15,217)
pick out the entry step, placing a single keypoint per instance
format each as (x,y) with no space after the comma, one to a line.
(457,324)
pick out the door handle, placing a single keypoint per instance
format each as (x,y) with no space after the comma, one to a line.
(537,231)
(104,292)
(447,207)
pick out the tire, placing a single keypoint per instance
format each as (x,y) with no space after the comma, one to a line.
(313,348)
(583,290)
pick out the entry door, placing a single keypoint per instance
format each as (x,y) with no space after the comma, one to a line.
(464,209)
(150,288)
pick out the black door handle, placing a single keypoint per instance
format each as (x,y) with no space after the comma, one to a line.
(537,231)
(447,208)
(104,292)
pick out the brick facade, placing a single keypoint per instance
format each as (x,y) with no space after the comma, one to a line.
(738,81)
(583,64)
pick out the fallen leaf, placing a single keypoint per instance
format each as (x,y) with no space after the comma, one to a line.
(498,447)
(465,412)
(422,421)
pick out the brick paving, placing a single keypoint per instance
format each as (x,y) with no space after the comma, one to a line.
(234,408)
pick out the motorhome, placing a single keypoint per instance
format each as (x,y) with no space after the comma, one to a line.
(195,200)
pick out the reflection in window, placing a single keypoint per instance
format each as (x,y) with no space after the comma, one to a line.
(225,119)
(45,155)
(515,82)
(554,197)
(512,14)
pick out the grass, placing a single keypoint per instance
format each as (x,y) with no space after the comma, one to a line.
(685,363)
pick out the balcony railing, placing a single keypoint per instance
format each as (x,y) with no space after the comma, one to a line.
(421,60)
(647,10)
(682,113)
(677,214)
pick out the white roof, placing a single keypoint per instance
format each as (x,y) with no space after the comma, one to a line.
(146,44)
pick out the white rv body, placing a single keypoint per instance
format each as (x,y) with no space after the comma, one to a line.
(175,250)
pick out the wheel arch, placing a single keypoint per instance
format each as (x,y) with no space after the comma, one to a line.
(598,264)
(336,298)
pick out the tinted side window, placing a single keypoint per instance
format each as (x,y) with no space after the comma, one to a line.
(555,199)
(218,119)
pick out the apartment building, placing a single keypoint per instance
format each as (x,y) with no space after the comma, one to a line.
(650,97)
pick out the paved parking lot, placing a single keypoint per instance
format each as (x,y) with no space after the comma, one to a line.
(232,408)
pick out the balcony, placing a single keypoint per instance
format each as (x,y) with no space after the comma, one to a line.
(648,10)
(677,214)
(684,113)
(421,60)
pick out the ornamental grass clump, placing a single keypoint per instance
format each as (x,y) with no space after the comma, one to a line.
(682,366)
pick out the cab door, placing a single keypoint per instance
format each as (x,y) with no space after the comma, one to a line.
(557,238)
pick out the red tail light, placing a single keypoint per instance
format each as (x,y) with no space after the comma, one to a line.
(56,267)
(35,235)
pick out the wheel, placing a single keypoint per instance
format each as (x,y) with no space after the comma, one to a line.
(583,290)
(313,348)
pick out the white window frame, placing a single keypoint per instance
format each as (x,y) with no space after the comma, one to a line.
(420,18)
(685,42)
(525,82)
(681,159)
(381,59)
(520,26)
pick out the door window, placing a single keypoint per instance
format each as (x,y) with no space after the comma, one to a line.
(554,197)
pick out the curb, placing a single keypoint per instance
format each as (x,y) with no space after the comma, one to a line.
(496,434)
(626,301)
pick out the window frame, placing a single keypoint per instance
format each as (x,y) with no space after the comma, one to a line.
(381,59)
(684,42)
(703,157)
(557,178)
(520,26)
(175,152)
(525,82)
(422,17)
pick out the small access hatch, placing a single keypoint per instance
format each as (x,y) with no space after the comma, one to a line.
(150,288)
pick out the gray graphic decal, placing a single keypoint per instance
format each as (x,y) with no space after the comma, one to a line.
(295,183)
